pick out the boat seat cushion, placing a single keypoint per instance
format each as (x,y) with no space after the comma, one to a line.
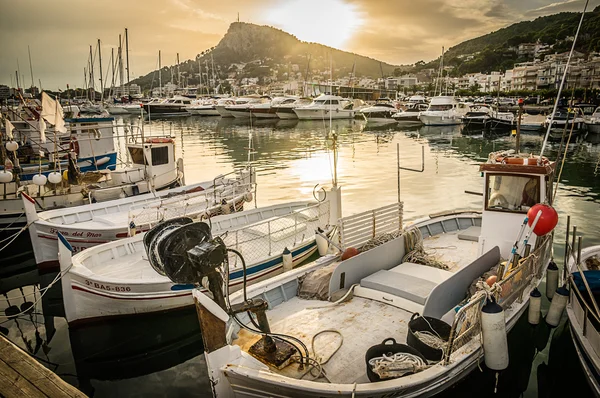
(472,233)
(435,275)
(409,287)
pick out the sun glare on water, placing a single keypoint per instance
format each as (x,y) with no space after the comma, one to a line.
(329,22)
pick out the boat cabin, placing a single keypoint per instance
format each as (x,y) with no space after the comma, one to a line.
(512,185)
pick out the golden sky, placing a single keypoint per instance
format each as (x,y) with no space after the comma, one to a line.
(59,32)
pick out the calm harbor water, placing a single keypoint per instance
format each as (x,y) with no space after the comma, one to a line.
(161,355)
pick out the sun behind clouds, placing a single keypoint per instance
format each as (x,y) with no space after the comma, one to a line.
(329,22)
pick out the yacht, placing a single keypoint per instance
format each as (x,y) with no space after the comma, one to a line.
(242,109)
(268,109)
(204,107)
(410,115)
(477,116)
(575,120)
(177,105)
(225,102)
(381,112)
(286,111)
(443,111)
(532,123)
(501,121)
(326,106)
(593,123)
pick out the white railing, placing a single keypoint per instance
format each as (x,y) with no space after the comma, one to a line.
(357,229)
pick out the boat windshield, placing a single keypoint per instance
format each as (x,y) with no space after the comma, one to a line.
(514,193)
(440,107)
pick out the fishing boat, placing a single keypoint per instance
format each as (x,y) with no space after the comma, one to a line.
(96,223)
(381,112)
(443,110)
(583,312)
(117,278)
(386,283)
(326,106)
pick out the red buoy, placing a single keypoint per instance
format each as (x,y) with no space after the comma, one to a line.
(349,252)
(547,221)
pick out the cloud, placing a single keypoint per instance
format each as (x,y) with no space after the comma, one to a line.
(561,6)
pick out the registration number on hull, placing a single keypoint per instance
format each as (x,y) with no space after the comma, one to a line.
(109,288)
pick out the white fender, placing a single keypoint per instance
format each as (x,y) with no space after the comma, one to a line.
(288,262)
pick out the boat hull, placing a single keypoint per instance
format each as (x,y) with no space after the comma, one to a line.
(204,112)
(285,113)
(320,114)
(87,299)
(222,111)
(593,128)
(432,120)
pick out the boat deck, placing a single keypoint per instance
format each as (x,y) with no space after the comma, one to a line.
(362,323)
(452,249)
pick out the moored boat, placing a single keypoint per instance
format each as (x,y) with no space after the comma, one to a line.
(92,224)
(354,304)
(286,111)
(381,112)
(326,106)
(117,278)
(442,111)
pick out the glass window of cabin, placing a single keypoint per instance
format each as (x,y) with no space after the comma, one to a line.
(515,193)
(334,102)
(137,155)
(440,107)
(160,155)
(319,101)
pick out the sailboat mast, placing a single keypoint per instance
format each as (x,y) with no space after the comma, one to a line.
(127,53)
(121,66)
(442,73)
(159,76)
(92,81)
(178,73)
(212,61)
(100,62)
(30,69)
(200,73)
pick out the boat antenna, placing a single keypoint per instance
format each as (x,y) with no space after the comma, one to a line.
(562,82)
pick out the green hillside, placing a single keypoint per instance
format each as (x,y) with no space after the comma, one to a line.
(494,51)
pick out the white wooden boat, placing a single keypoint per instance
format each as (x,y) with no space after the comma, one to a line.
(116,278)
(90,225)
(583,318)
(380,289)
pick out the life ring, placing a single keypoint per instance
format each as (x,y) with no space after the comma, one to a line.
(159,140)
(531,161)
(74,145)
(500,198)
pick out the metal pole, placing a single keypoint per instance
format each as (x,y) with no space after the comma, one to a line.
(518,136)
(566,260)
(101,81)
(127,53)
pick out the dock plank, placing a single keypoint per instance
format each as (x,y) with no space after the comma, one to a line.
(23,376)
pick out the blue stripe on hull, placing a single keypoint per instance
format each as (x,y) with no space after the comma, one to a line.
(111,164)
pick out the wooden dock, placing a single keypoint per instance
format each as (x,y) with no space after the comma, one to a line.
(23,376)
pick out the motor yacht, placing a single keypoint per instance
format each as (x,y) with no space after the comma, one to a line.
(286,111)
(443,111)
(381,112)
(326,106)
(268,109)
(177,105)
(410,115)
(242,109)
(204,107)
(593,123)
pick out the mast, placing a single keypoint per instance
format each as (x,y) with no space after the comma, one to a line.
(30,68)
(212,61)
(178,73)
(159,76)
(200,73)
(101,81)
(121,66)
(92,81)
(112,70)
(562,82)
(207,78)
(127,53)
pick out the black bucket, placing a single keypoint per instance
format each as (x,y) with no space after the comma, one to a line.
(420,323)
(387,349)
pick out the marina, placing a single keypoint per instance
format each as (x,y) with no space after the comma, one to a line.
(276,217)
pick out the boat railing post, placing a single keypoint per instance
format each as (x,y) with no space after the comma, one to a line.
(295,228)
(566,261)
(237,242)
(585,319)
(269,234)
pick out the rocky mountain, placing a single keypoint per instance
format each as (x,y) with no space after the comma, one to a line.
(249,50)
